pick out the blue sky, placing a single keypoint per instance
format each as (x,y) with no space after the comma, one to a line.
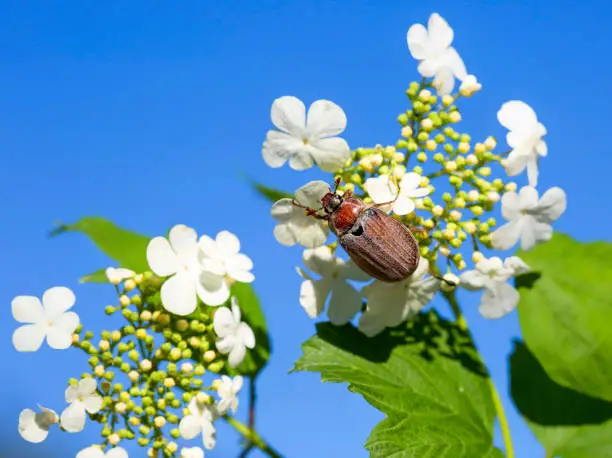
(147,112)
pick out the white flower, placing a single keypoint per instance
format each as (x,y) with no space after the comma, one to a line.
(82,398)
(294,225)
(192,452)
(179,259)
(306,139)
(235,336)
(469,86)
(228,389)
(345,300)
(116,275)
(438,59)
(390,304)
(525,139)
(33,426)
(223,258)
(49,319)
(96,452)
(381,189)
(200,421)
(499,298)
(529,218)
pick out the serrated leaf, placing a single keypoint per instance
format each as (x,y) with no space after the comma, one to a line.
(569,424)
(565,312)
(427,378)
(250,308)
(127,248)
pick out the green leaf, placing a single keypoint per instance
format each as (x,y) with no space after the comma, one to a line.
(271,194)
(99,276)
(427,378)
(565,312)
(251,311)
(568,423)
(127,248)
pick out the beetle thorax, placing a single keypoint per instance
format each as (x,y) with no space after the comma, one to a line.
(345,215)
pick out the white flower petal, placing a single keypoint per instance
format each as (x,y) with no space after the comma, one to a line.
(302,158)
(351,271)
(236,355)
(311,193)
(440,33)
(87,386)
(57,300)
(190,426)
(380,189)
(534,233)
(93,403)
(246,335)
(371,324)
(511,206)
(60,337)
(551,206)
(473,280)
(444,79)
(29,337)
(288,114)
(238,267)
(278,147)
(313,296)
(27,309)
(498,300)
(178,294)
(91,452)
(319,260)
(223,322)
(506,236)
(453,61)
(344,304)
(212,289)
(208,436)
(118,274)
(330,154)
(529,198)
(228,243)
(117,452)
(73,417)
(516,265)
(162,260)
(325,119)
(184,242)
(403,205)
(517,116)
(418,41)
(29,427)
(532,170)
(192,452)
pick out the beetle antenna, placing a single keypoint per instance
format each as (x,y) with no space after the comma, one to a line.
(337,183)
(442,279)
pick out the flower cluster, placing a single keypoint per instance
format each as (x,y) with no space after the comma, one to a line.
(433,178)
(147,378)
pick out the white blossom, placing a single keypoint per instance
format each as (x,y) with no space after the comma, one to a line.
(82,398)
(192,452)
(228,390)
(345,300)
(381,189)
(200,421)
(34,426)
(223,258)
(492,275)
(306,139)
(96,452)
(178,258)
(116,275)
(49,319)
(234,336)
(525,139)
(431,46)
(294,226)
(528,218)
(469,86)
(390,304)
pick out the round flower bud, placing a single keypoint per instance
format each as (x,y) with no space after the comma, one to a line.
(169,382)
(120,407)
(366,164)
(113,439)
(456,243)
(455,215)
(209,356)
(463,147)
(444,251)
(129,285)
(377,160)
(424,95)
(454,117)
(175,354)
(403,119)
(422,137)
(510,187)
(484,171)
(186,368)
(493,196)
(399,157)
(450,166)
(427,124)
(471,159)
(104,345)
(412,146)
(477,210)
(160,422)
(172,447)
(431,145)
(146,365)
(75,339)
(451,281)
(447,100)
(479,148)
(99,371)
(439,158)
(469,227)
(124,300)
(437,210)
(141,333)
(490,143)
(133,375)
(473,195)
(477,256)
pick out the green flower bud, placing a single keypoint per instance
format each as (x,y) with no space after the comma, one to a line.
(439,158)
(134,355)
(402,119)
(175,433)
(422,157)
(402,144)
(215,367)
(137,300)
(422,137)
(412,146)
(128,330)
(109,309)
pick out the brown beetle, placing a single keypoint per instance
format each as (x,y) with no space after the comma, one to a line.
(380,245)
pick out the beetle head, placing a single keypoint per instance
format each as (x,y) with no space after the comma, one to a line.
(331,202)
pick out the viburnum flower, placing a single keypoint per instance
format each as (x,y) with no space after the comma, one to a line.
(492,275)
(525,139)
(116,275)
(179,259)
(222,257)
(294,225)
(34,426)
(235,336)
(49,319)
(345,300)
(390,304)
(529,218)
(469,86)
(381,189)
(82,398)
(228,390)
(200,421)
(306,139)
(96,452)
(192,452)
(438,59)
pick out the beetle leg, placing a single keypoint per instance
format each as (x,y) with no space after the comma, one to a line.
(420,230)
(310,211)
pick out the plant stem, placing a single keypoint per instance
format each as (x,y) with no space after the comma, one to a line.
(252,401)
(252,437)
(499,408)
